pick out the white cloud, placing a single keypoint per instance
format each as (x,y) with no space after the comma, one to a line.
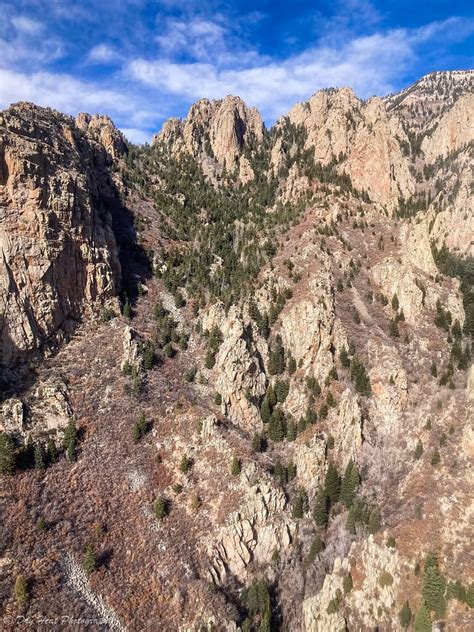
(197,38)
(67,94)
(102,53)
(370,64)
(26,25)
(135,135)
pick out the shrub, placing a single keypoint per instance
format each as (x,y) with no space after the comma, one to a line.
(160,508)
(235,467)
(7,454)
(185,464)
(347,584)
(89,562)
(385,579)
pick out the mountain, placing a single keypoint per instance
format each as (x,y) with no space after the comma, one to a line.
(237,386)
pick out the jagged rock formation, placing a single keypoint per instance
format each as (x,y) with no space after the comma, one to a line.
(58,251)
(362,136)
(217,130)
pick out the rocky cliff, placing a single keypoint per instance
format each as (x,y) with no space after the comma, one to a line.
(275,432)
(58,252)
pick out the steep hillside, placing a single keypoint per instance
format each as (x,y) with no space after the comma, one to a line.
(261,418)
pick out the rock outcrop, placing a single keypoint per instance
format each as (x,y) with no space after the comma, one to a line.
(340,127)
(219,129)
(58,252)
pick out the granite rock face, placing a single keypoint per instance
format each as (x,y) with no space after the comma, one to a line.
(58,252)
(215,129)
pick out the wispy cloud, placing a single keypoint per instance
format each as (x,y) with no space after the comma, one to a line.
(370,64)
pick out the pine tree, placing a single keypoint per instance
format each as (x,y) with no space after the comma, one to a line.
(344,358)
(291,365)
(160,508)
(300,505)
(265,410)
(375,520)
(351,520)
(349,484)
(7,454)
(347,583)
(418,450)
(70,439)
(320,513)
(185,464)
(434,586)
(235,467)
(126,310)
(316,547)
(436,458)
(276,427)
(393,329)
(395,303)
(271,396)
(332,483)
(39,457)
(281,391)
(422,622)
(89,563)
(405,615)
(21,590)
(291,431)
(434,369)
(52,452)
(258,444)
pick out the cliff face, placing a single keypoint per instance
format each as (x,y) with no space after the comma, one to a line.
(217,130)
(278,428)
(58,252)
(339,124)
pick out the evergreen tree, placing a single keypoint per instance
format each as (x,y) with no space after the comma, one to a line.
(148,356)
(281,391)
(434,369)
(185,464)
(265,410)
(344,358)
(258,443)
(21,590)
(330,401)
(320,513)
(375,520)
(140,428)
(393,329)
(332,483)
(70,439)
(436,458)
(276,362)
(89,562)
(300,505)
(160,508)
(351,520)
(422,622)
(276,427)
(39,457)
(235,467)
(271,396)
(434,586)
(347,583)
(291,365)
(7,454)
(418,450)
(126,310)
(349,484)
(316,547)
(52,452)
(395,303)
(405,615)
(291,431)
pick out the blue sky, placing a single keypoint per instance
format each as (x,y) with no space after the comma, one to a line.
(141,62)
